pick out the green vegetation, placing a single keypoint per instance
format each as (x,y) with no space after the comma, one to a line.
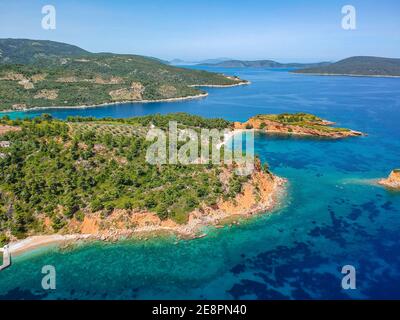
(24,51)
(69,76)
(160,121)
(370,66)
(303,120)
(292,118)
(65,169)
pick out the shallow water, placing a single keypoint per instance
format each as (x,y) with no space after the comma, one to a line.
(332,216)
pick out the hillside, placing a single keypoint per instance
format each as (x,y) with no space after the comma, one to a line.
(69,176)
(24,51)
(69,76)
(261,64)
(359,66)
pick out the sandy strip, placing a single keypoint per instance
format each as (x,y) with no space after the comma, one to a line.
(34,242)
(198,96)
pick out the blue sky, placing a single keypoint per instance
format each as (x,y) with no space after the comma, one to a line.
(295,30)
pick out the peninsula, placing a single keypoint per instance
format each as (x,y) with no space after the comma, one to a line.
(43,74)
(296,124)
(358,66)
(87,178)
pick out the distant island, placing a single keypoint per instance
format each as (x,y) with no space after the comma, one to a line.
(41,74)
(303,124)
(201,62)
(358,66)
(260,64)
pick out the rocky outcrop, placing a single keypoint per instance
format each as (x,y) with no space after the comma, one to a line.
(19,106)
(5,128)
(47,94)
(393,181)
(167,91)
(260,194)
(320,129)
(112,80)
(70,79)
(134,92)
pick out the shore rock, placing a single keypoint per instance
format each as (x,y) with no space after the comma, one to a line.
(393,181)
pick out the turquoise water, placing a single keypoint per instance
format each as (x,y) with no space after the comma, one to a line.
(332,215)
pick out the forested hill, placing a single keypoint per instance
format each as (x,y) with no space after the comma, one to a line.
(36,73)
(368,66)
(24,51)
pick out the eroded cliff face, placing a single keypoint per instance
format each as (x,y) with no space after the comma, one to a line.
(393,181)
(260,194)
(270,126)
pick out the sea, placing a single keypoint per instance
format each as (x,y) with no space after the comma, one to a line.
(333,218)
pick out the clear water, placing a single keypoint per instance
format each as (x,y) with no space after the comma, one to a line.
(332,215)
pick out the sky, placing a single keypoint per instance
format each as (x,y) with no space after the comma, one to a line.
(283,30)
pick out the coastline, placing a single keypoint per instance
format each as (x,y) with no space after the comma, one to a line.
(189,231)
(242,83)
(302,134)
(353,133)
(229,135)
(346,75)
(198,96)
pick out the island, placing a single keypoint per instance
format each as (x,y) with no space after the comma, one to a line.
(260,64)
(87,178)
(43,74)
(358,66)
(302,124)
(393,181)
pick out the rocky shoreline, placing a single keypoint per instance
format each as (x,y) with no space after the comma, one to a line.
(393,181)
(198,96)
(124,224)
(242,83)
(321,129)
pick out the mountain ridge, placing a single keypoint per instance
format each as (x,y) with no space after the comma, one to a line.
(260,64)
(359,66)
(42,74)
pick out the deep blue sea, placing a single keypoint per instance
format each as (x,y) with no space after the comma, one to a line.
(333,214)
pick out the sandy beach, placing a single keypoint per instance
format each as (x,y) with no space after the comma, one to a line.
(198,96)
(190,230)
(230,135)
(19,247)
